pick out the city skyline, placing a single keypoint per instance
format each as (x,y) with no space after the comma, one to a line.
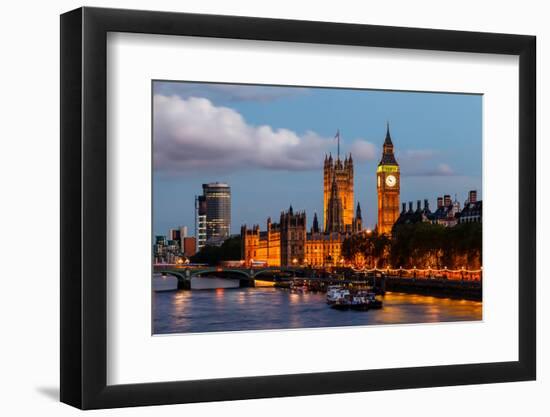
(277,150)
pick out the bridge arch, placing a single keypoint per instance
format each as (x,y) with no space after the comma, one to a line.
(183,282)
(184,276)
(272,269)
(241,272)
(246,276)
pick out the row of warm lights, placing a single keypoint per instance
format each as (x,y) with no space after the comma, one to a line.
(429,269)
(463,269)
(295,261)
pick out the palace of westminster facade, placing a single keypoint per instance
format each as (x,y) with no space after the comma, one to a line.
(289,243)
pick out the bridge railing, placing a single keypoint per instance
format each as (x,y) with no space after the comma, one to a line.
(428,273)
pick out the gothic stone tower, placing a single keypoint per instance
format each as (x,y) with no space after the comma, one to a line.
(388,183)
(335,210)
(342,172)
(293,237)
(358,221)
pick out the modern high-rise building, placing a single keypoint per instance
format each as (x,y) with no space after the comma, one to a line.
(183,232)
(217,196)
(189,246)
(388,186)
(200,221)
(174,234)
(178,234)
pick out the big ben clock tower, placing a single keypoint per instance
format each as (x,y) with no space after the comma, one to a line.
(387,184)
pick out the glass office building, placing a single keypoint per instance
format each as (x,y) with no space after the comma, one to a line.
(217,196)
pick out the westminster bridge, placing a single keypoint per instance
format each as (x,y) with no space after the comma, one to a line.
(246,276)
(460,282)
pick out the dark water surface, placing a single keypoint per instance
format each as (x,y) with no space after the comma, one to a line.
(274,308)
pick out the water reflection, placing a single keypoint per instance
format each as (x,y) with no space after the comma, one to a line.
(273,308)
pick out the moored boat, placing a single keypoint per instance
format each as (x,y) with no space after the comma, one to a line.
(336,293)
(343,299)
(298,287)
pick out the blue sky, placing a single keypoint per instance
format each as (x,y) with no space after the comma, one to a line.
(269,143)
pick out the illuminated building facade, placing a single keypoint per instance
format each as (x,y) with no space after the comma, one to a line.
(340,174)
(293,237)
(335,211)
(324,249)
(260,246)
(288,243)
(282,243)
(388,187)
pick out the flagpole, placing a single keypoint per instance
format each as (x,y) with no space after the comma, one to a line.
(338,137)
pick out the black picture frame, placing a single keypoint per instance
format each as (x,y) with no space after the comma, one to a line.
(84,207)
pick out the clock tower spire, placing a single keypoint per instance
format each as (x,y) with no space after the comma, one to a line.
(388,186)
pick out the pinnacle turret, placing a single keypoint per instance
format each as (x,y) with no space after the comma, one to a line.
(335,219)
(388,158)
(387,140)
(315,228)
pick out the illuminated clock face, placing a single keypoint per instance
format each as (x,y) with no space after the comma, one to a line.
(391,181)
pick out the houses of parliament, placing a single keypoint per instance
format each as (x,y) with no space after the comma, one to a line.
(288,242)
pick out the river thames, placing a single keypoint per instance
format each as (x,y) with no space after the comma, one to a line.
(223,310)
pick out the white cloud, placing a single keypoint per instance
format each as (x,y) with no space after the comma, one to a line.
(363,150)
(419,154)
(420,163)
(441,170)
(227,92)
(444,169)
(193,133)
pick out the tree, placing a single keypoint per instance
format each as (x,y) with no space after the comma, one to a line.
(433,245)
(372,247)
(213,255)
(420,244)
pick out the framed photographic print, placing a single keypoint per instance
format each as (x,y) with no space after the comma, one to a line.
(259,207)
